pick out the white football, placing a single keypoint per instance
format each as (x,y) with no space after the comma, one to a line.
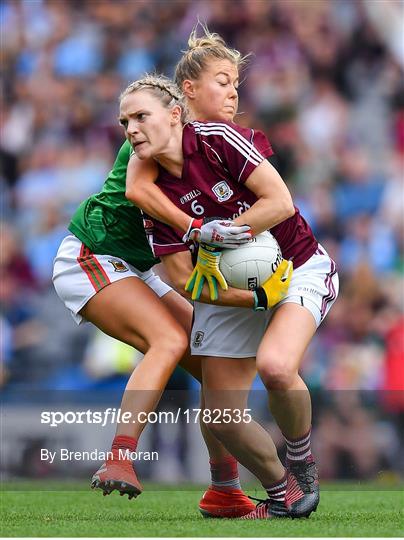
(252,264)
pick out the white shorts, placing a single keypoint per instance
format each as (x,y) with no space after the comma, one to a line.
(79,274)
(237,332)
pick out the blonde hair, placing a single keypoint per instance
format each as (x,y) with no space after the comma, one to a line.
(161,87)
(200,50)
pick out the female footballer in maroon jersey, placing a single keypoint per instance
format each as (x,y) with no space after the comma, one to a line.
(105,282)
(192,163)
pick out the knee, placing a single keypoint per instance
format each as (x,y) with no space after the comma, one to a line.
(172,344)
(222,431)
(277,373)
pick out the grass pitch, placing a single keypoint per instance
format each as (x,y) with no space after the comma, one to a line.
(342,512)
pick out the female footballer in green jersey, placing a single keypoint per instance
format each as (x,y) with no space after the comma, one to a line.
(103,274)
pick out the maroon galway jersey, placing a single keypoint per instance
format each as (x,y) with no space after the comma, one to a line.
(218,159)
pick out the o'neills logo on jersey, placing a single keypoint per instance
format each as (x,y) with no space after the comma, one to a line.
(222,191)
(189,196)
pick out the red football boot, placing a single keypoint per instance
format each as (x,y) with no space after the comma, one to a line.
(117,474)
(229,503)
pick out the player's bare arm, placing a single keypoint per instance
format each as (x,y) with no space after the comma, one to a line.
(179,267)
(142,191)
(273,206)
(274,203)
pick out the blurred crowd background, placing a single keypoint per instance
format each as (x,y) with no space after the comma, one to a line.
(324,82)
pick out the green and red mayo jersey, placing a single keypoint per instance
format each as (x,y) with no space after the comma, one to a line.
(109,224)
(218,159)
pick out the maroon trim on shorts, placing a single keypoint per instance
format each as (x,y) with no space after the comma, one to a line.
(331,295)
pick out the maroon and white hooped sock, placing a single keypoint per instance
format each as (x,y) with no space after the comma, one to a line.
(298,449)
(276,492)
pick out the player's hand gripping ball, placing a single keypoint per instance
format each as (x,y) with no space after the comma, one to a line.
(218,232)
(250,265)
(275,288)
(206,269)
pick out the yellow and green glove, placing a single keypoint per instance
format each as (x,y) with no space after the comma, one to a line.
(206,269)
(275,288)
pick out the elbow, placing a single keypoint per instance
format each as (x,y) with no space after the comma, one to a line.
(134,195)
(288,209)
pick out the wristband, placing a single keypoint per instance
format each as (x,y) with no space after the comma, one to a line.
(194,224)
(260,299)
(210,248)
